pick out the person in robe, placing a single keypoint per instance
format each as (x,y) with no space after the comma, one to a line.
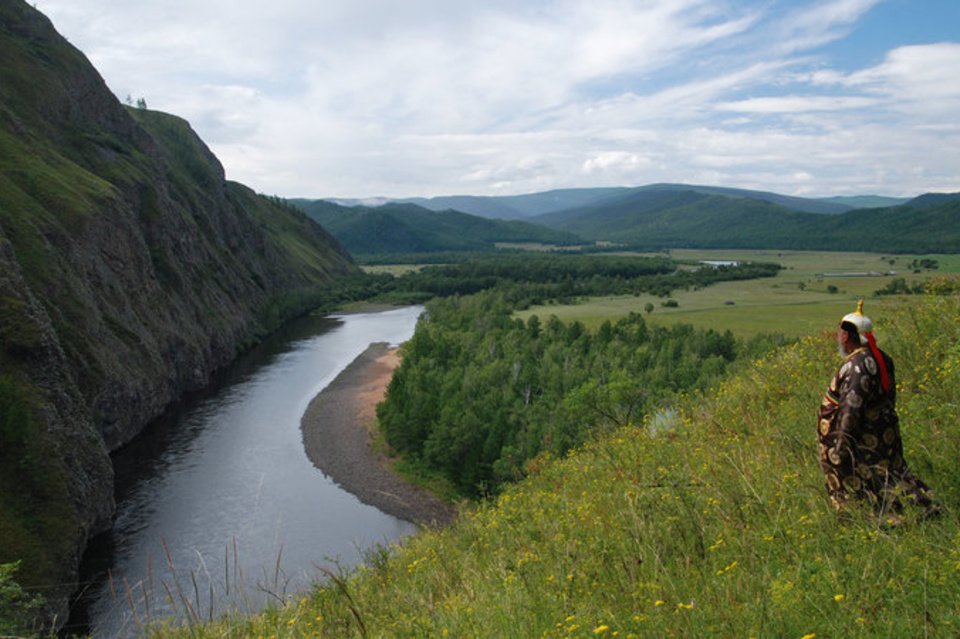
(860,449)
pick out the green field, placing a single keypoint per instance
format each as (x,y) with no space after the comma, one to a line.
(796,302)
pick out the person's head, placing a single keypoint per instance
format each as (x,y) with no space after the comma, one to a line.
(853,330)
(848,338)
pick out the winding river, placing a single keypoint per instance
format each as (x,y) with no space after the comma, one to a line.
(218,506)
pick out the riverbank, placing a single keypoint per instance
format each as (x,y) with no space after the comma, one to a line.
(337,432)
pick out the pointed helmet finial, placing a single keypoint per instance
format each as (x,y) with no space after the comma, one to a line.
(861,321)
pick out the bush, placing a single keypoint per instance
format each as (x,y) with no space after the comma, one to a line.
(17,608)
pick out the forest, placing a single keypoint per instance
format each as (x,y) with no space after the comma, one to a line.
(531,278)
(480,393)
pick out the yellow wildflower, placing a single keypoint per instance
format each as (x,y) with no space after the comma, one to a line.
(601,629)
(838,597)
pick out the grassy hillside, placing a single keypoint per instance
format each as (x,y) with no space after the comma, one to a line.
(708,521)
(407,228)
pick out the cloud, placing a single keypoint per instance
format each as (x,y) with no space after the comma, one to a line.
(797,104)
(428,97)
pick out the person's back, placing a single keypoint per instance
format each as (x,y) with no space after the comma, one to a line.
(861,452)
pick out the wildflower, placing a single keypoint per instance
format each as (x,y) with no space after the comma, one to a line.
(809,635)
(601,629)
(659,602)
(685,606)
(838,597)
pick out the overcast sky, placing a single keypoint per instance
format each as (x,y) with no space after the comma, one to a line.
(358,98)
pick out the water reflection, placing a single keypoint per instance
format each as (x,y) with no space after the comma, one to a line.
(218,505)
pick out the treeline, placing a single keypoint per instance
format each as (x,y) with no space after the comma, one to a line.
(480,393)
(538,278)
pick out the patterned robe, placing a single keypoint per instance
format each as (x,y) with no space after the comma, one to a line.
(861,452)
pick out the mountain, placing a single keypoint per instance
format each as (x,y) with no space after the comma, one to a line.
(866,201)
(932,200)
(673,217)
(408,228)
(514,207)
(789,202)
(130,270)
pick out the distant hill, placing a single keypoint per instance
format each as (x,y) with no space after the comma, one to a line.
(665,217)
(789,202)
(866,201)
(516,207)
(929,200)
(408,228)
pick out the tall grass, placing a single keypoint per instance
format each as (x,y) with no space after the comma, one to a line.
(718,526)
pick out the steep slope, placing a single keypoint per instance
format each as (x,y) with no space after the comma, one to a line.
(130,269)
(408,228)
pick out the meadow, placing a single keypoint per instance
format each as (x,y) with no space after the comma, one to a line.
(797,302)
(707,520)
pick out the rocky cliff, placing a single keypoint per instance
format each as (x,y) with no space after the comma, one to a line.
(130,270)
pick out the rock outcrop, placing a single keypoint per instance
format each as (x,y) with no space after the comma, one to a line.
(130,270)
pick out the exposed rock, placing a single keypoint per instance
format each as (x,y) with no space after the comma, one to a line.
(130,270)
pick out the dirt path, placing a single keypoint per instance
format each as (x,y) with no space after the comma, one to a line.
(337,431)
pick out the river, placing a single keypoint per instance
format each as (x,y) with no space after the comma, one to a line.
(218,506)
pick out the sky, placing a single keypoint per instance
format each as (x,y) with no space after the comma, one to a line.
(402,98)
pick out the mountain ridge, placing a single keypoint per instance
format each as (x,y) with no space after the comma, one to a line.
(410,228)
(529,205)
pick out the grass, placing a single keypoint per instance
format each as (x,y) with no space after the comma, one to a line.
(716,525)
(396,270)
(796,302)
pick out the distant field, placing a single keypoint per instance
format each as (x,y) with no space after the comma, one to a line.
(796,302)
(393,269)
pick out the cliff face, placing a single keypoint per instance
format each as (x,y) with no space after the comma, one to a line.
(130,270)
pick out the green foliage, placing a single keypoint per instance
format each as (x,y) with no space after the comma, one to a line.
(408,228)
(17,608)
(479,393)
(531,278)
(686,217)
(899,286)
(35,519)
(710,520)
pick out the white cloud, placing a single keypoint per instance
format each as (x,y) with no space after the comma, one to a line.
(427,97)
(797,104)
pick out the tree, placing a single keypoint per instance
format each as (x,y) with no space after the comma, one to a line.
(141,103)
(648,307)
(17,608)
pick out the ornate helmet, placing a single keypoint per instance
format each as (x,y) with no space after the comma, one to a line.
(865,330)
(860,321)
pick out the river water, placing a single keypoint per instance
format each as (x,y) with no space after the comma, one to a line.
(218,506)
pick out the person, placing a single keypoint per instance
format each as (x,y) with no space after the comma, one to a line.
(860,450)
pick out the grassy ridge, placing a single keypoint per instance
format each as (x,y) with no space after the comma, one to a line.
(712,522)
